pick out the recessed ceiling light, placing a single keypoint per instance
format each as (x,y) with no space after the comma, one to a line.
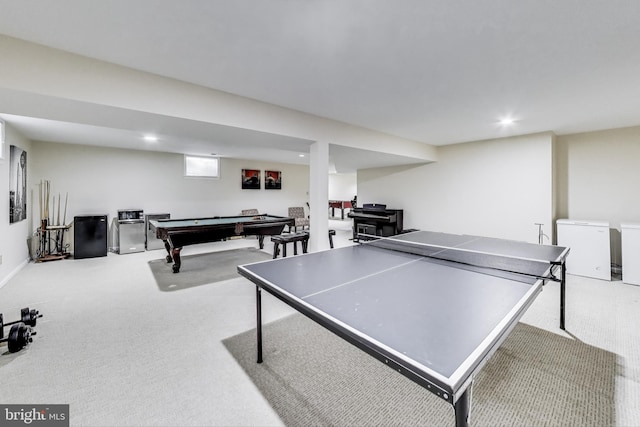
(506,121)
(151,138)
(300,155)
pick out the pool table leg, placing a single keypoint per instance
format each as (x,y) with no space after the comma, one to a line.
(261,241)
(175,253)
(167,246)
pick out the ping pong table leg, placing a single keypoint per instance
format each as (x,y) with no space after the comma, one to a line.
(462,408)
(259,321)
(563,291)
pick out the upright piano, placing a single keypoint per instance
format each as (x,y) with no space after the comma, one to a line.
(376,219)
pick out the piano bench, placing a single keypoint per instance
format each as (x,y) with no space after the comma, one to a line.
(367,229)
(294,238)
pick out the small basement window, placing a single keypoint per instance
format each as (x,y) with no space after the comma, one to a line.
(201,167)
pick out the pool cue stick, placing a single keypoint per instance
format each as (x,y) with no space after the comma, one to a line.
(40,199)
(64,221)
(52,212)
(64,218)
(53,222)
(41,235)
(47,204)
(49,209)
(45,221)
(58,221)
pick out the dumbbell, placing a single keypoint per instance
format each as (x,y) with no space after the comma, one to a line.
(19,337)
(28,317)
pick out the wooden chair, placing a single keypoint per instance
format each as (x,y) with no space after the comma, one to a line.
(301,220)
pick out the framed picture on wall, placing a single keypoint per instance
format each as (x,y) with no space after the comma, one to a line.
(250,179)
(17,184)
(272,180)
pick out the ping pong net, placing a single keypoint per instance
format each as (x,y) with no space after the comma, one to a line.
(500,265)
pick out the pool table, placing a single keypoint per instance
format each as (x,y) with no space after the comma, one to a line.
(177,233)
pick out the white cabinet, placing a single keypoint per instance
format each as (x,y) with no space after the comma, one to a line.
(630,253)
(590,253)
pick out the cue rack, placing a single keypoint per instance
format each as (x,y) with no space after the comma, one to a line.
(51,230)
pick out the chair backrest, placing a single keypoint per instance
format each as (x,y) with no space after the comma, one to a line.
(296,212)
(250,212)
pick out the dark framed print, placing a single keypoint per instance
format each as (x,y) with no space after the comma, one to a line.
(250,179)
(272,180)
(17,184)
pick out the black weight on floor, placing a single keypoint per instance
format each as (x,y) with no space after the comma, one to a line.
(19,337)
(28,317)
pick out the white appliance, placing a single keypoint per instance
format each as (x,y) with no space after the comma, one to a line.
(631,253)
(590,253)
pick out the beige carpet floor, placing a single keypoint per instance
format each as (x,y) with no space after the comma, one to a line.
(201,269)
(536,378)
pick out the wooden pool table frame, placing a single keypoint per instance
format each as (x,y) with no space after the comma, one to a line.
(177,233)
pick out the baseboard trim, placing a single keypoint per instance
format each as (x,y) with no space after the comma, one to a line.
(13,272)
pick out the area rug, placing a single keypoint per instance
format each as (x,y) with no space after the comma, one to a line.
(202,269)
(314,378)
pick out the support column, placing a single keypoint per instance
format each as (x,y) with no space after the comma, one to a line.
(319,196)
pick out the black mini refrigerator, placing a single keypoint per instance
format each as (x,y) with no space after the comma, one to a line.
(89,236)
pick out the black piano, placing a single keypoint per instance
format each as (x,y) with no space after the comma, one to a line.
(376,219)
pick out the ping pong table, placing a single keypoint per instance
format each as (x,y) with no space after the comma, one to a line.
(433,306)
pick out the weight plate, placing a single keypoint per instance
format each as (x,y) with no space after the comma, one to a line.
(24,315)
(33,317)
(19,337)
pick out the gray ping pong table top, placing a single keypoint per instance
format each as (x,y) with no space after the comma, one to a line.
(508,248)
(440,321)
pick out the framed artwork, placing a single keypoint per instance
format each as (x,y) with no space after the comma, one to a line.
(272,180)
(17,184)
(250,179)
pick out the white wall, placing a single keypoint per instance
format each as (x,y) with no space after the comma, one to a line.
(343,186)
(599,174)
(599,178)
(103,180)
(498,188)
(13,237)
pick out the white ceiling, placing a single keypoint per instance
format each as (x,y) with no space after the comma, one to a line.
(434,71)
